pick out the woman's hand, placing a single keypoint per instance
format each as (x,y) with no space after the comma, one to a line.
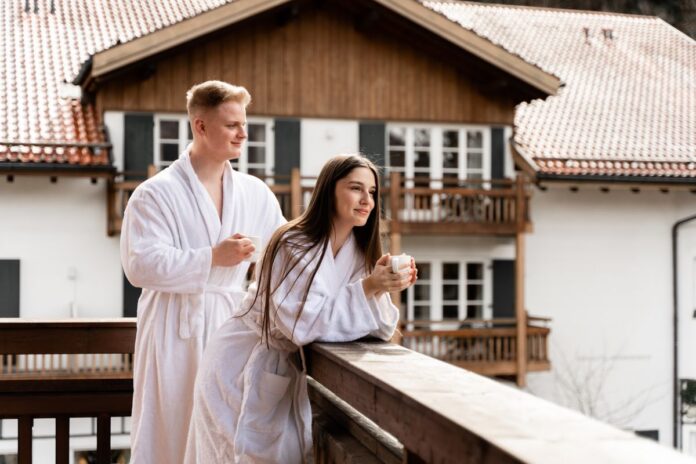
(383,279)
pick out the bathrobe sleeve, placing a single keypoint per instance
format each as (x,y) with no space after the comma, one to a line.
(329,314)
(149,254)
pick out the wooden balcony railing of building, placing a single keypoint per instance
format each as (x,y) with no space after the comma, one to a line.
(485,346)
(372,402)
(423,206)
(64,369)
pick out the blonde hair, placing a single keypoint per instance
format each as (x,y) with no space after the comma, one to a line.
(210,94)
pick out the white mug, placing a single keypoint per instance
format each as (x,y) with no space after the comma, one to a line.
(398,261)
(256,254)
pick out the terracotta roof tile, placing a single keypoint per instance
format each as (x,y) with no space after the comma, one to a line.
(41,50)
(628,107)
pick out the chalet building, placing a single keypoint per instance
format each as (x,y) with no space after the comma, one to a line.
(539,164)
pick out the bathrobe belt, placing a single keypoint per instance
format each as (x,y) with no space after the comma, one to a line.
(192,314)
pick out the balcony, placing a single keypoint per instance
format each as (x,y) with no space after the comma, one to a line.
(423,206)
(485,346)
(372,402)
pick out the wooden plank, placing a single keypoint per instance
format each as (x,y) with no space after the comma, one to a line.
(24,439)
(65,337)
(62,440)
(464,417)
(103,439)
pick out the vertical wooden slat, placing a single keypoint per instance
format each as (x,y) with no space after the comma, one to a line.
(62,440)
(296,198)
(24,440)
(103,439)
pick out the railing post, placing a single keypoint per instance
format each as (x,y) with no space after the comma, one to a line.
(103,439)
(24,439)
(520,311)
(62,440)
(394,226)
(151,170)
(295,193)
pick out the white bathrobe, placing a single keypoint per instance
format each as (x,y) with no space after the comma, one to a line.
(250,402)
(169,229)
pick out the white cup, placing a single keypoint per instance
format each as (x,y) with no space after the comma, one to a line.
(398,261)
(256,254)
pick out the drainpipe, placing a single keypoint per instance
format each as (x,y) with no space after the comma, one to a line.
(676,423)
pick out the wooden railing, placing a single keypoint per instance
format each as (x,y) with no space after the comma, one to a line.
(372,402)
(488,349)
(443,414)
(64,369)
(443,206)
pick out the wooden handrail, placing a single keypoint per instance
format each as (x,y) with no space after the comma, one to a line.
(441,413)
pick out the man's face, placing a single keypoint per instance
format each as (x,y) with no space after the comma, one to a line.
(222,130)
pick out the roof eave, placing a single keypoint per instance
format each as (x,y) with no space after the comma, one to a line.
(476,45)
(614,179)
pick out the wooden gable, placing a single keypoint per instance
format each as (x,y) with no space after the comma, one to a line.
(327,61)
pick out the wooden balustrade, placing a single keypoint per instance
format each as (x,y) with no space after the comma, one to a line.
(444,206)
(373,402)
(488,347)
(64,369)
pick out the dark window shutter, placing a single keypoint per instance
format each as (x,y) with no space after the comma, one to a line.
(503,288)
(373,141)
(497,153)
(287,147)
(9,288)
(131,295)
(138,151)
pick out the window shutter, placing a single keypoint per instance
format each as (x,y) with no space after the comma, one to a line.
(9,288)
(373,141)
(287,147)
(138,144)
(497,153)
(503,288)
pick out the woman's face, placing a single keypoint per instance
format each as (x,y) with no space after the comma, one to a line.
(355,198)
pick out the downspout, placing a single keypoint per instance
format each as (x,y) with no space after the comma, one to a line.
(676,423)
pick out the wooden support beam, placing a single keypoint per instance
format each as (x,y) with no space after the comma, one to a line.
(520,311)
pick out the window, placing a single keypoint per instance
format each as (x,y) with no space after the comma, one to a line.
(424,152)
(417,297)
(449,289)
(9,288)
(173,134)
(257,153)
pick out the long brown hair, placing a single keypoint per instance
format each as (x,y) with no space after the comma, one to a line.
(312,231)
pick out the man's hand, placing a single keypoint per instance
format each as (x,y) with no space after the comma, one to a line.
(232,251)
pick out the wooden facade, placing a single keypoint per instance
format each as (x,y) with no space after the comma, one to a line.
(323,63)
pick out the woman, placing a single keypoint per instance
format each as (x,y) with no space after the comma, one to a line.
(321,278)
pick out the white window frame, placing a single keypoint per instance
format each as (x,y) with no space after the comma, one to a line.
(182,140)
(436,291)
(436,150)
(269,145)
(242,165)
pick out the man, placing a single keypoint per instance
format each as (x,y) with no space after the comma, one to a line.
(184,242)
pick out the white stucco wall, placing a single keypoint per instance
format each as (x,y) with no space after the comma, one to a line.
(58,230)
(599,264)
